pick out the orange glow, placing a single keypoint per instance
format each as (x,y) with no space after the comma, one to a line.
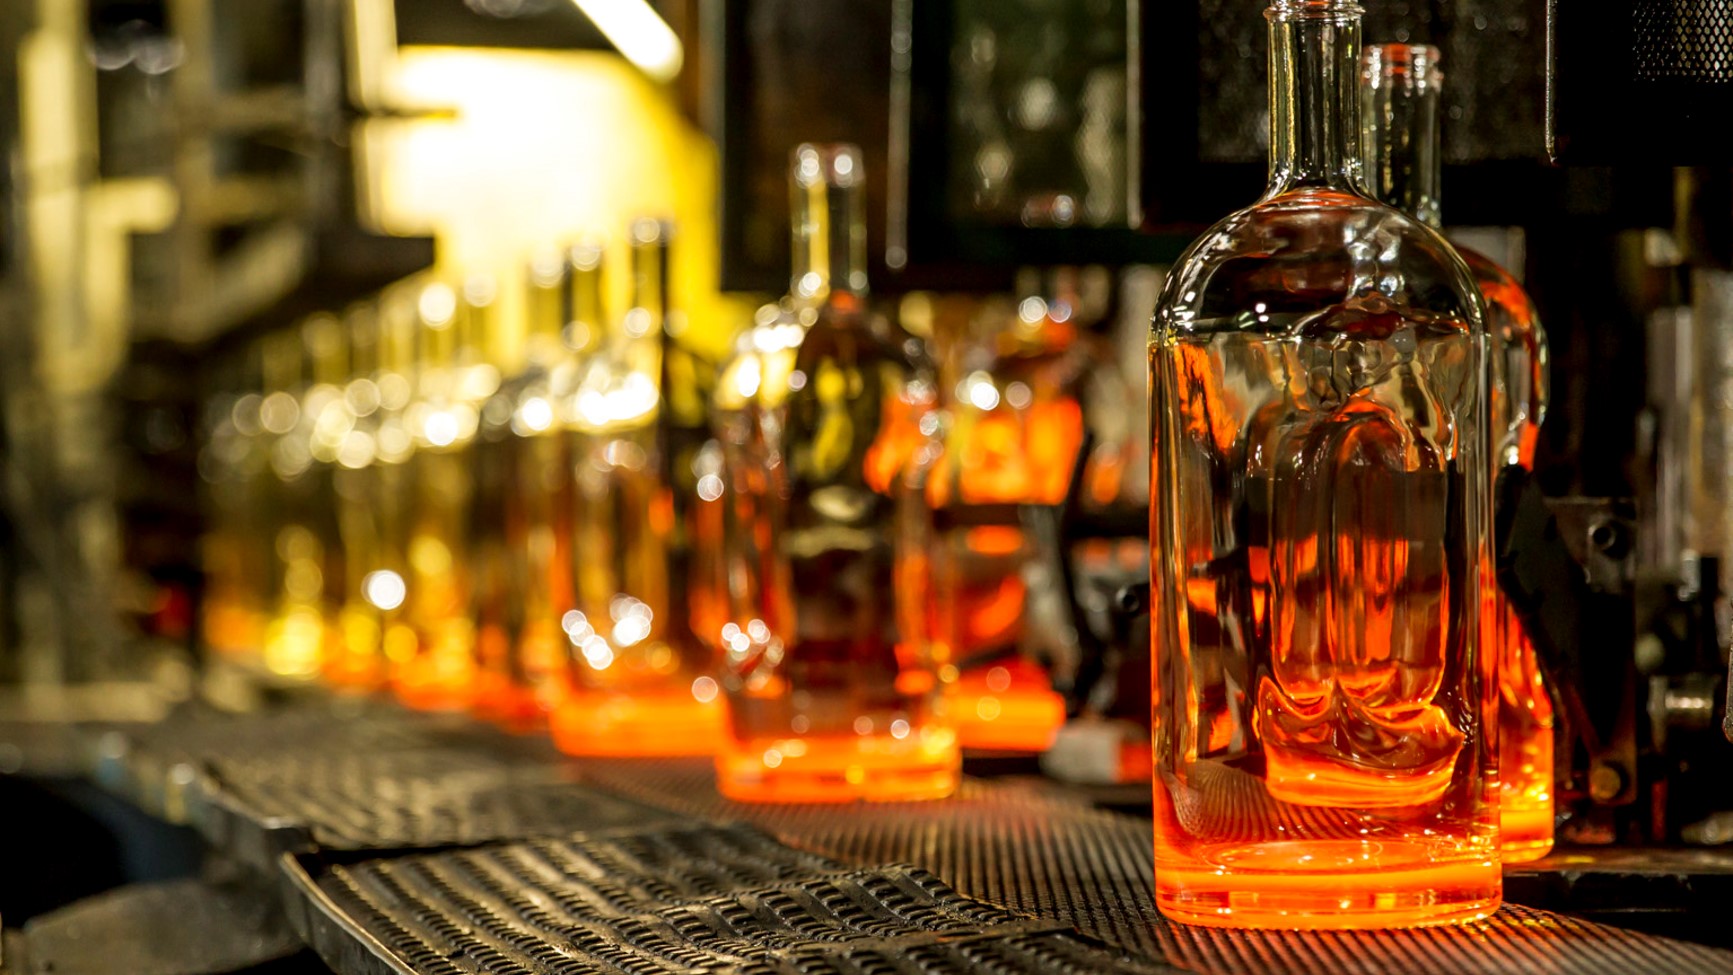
(645,724)
(840,768)
(1010,706)
(1525,747)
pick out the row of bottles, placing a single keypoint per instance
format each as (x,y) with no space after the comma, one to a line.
(1350,726)
(815,560)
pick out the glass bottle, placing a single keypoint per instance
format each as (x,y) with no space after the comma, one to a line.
(452,380)
(1010,391)
(827,425)
(358,662)
(1401,85)
(296,639)
(1324,752)
(496,598)
(235,552)
(387,482)
(640,677)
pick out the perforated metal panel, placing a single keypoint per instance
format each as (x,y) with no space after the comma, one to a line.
(1004,878)
(1690,40)
(1646,82)
(1032,852)
(673,901)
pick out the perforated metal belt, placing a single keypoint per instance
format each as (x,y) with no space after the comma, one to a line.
(409,844)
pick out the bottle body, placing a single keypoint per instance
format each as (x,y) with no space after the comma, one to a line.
(1317,580)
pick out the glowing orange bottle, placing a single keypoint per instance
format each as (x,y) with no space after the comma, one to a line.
(1400,96)
(826,427)
(1323,757)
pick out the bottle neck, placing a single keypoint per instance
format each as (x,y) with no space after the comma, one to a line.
(647,314)
(1400,90)
(829,229)
(581,314)
(1314,95)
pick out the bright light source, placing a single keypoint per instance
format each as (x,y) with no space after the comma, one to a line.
(642,36)
(384,589)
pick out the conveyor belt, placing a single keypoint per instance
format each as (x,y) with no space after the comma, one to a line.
(518,860)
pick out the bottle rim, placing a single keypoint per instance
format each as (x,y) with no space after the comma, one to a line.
(1415,64)
(1335,11)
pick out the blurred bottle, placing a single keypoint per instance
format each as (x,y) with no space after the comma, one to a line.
(236,550)
(1402,88)
(496,599)
(296,639)
(352,445)
(386,484)
(1016,427)
(826,425)
(453,379)
(640,678)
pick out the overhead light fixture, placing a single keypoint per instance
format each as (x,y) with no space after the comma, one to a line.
(639,33)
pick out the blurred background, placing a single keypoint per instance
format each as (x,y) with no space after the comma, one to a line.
(205,204)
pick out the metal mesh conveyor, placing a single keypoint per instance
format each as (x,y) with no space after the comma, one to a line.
(405,844)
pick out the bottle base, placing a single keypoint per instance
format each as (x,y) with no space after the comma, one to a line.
(662,724)
(1525,831)
(1328,885)
(870,768)
(1019,712)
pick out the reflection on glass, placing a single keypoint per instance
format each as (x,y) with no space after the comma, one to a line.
(640,681)
(826,426)
(1401,94)
(1324,730)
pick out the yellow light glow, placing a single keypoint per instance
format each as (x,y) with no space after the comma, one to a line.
(642,36)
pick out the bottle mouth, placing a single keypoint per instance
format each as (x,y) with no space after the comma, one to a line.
(1414,66)
(1327,10)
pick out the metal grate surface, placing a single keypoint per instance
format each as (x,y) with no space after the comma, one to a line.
(351,776)
(1031,852)
(677,893)
(394,800)
(1683,40)
(705,898)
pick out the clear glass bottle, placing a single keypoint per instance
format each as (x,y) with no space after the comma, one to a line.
(640,677)
(1010,391)
(1325,755)
(827,425)
(1401,87)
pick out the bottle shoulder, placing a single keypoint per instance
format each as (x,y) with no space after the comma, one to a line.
(1511,314)
(1279,265)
